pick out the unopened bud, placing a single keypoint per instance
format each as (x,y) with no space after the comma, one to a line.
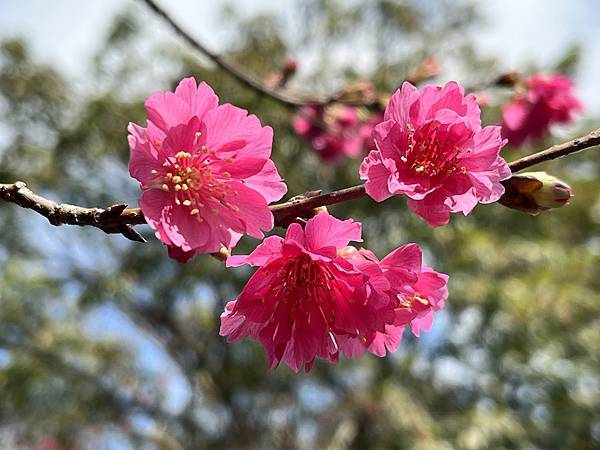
(534,192)
(290,66)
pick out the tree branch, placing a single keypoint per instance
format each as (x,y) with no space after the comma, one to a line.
(557,151)
(119,219)
(114,219)
(286,98)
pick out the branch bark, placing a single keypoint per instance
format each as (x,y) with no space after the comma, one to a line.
(119,219)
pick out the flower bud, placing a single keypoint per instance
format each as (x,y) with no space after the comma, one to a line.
(533,192)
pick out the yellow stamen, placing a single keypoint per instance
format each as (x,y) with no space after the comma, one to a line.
(165,187)
(194,211)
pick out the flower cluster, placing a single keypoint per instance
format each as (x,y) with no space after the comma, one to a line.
(207,179)
(543,101)
(315,297)
(431,148)
(205,171)
(336,130)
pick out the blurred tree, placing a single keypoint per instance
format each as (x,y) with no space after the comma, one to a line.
(104,342)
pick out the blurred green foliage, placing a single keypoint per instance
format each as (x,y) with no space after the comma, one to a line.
(104,340)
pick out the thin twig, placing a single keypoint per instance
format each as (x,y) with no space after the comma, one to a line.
(282,96)
(119,219)
(557,151)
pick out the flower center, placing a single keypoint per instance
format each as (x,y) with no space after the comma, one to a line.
(307,283)
(432,151)
(192,181)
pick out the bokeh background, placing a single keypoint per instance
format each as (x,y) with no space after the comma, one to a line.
(108,344)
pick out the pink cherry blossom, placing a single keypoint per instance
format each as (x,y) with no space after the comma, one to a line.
(416,292)
(335,130)
(431,148)
(313,296)
(205,171)
(547,100)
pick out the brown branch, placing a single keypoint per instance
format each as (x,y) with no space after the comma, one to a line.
(119,219)
(114,219)
(557,151)
(285,97)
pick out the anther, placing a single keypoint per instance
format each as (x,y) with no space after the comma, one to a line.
(165,187)
(177,187)
(194,211)
(154,172)
(187,202)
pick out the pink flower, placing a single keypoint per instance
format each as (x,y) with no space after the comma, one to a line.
(416,292)
(431,147)
(313,296)
(333,131)
(548,99)
(205,171)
